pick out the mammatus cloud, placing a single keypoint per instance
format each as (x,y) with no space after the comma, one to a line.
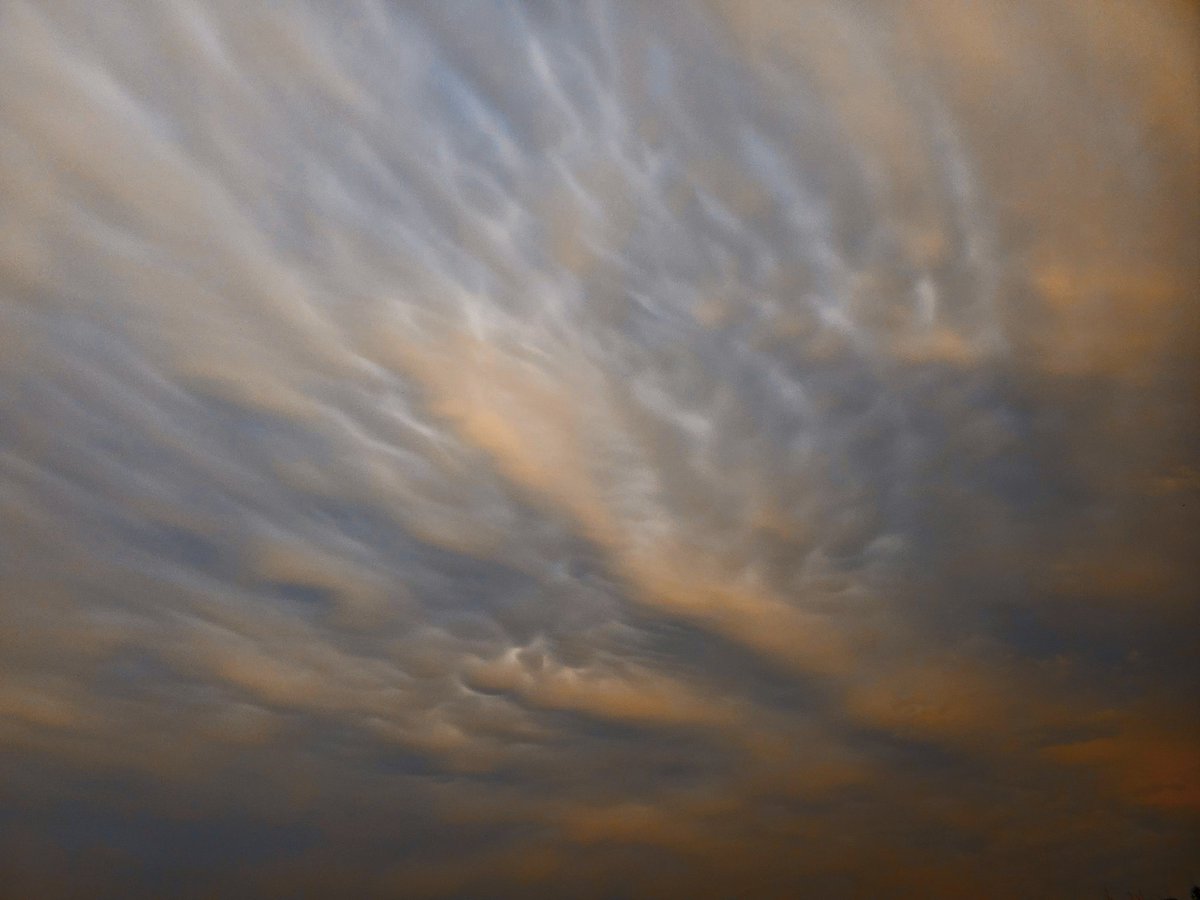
(598,449)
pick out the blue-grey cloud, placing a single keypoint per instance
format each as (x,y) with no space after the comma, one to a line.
(598,449)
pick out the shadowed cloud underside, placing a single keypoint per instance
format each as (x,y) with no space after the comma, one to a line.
(599,449)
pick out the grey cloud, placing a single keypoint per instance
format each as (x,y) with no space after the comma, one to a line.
(592,448)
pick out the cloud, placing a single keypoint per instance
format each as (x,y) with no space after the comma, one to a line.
(693,448)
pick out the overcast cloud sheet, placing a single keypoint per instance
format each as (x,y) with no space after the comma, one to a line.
(599,449)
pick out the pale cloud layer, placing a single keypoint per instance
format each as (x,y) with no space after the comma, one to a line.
(599,449)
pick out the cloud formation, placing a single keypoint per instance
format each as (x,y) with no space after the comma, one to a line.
(598,449)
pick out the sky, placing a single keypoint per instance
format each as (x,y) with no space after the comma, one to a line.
(730,448)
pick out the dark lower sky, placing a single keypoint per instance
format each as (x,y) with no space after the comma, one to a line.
(717,449)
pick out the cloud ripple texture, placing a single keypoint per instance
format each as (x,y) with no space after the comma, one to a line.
(598,449)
